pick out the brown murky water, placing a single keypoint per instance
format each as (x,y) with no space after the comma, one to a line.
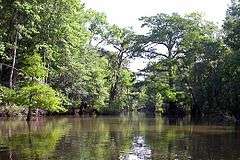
(113,138)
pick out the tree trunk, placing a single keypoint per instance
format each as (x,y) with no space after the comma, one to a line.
(113,91)
(170,68)
(14,50)
(29,115)
(114,87)
(170,78)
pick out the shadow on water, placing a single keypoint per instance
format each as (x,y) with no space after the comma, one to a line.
(132,137)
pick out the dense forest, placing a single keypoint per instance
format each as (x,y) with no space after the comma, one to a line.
(61,57)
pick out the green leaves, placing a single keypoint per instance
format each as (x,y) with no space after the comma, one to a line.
(176,44)
(7,96)
(38,95)
(34,67)
(34,95)
(231,26)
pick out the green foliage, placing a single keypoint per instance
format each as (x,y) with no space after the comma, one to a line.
(153,94)
(188,70)
(7,96)
(2,47)
(54,44)
(38,95)
(231,66)
(96,82)
(75,51)
(231,25)
(33,66)
(127,78)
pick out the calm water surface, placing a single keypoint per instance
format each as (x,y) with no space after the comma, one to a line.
(116,138)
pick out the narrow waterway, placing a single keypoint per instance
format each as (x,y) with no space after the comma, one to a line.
(111,138)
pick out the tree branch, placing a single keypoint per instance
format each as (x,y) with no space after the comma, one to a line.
(156,53)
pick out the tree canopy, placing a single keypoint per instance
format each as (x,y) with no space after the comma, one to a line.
(62,56)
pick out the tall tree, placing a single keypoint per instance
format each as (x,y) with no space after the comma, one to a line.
(232,62)
(117,45)
(18,25)
(169,42)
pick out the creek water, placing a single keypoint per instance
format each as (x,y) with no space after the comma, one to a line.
(133,137)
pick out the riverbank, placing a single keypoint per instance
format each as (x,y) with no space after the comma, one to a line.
(216,118)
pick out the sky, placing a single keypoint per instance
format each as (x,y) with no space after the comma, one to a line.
(125,13)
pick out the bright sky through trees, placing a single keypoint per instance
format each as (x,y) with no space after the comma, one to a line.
(126,12)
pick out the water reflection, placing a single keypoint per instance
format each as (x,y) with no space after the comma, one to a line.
(125,138)
(37,140)
(140,150)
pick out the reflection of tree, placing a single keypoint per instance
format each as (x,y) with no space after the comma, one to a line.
(214,142)
(34,141)
(109,138)
(161,138)
(100,138)
(194,142)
